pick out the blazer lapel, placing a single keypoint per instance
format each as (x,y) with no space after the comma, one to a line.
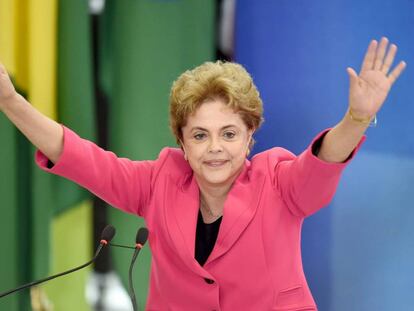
(239,209)
(181,210)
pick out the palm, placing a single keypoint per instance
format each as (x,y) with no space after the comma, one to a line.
(370,92)
(369,89)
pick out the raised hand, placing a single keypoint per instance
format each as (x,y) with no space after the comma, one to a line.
(369,89)
(7,90)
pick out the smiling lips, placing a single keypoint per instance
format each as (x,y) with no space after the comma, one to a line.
(215,163)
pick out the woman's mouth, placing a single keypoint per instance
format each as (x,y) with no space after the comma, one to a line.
(215,163)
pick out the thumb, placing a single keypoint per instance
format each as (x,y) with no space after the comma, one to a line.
(353,77)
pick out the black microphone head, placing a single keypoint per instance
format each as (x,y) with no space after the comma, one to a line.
(108,233)
(142,236)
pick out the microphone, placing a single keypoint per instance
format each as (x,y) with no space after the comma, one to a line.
(107,235)
(140,239)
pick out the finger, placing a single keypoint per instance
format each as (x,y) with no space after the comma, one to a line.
(389,59)
(379,59)
(393,76)
(353,77)
(369,58)
(351,72)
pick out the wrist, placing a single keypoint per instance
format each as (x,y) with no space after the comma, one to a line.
(9,102)
(370,121)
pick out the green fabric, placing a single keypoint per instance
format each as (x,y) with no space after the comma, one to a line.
(74,83)
(145,46)
(9,270)
(41,213)
(16,222)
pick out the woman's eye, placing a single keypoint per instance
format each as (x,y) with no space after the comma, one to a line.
(229,135)
(199,136)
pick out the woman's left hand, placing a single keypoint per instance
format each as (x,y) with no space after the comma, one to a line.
(369,89)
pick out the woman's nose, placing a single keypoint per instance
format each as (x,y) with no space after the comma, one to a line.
(215,145)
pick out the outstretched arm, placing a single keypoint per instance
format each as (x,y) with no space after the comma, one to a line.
(367,93)
(43,132)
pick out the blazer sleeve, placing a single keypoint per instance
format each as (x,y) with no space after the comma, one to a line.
(305,182)
(121,182)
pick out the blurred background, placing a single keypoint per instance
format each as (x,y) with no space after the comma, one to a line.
(104,69)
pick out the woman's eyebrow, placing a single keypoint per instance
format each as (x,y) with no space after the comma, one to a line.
(199,128)
(228,126)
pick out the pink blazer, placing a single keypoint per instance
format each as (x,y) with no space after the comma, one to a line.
(256,262)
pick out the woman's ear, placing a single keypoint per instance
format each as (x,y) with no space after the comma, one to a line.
(250,133)
(249,141)
(183,148)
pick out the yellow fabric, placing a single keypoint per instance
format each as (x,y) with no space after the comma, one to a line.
(7,29)
(42,57)
(28,49)
(70,250)
(21,38)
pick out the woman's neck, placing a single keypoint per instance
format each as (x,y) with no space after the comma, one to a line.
(212,200)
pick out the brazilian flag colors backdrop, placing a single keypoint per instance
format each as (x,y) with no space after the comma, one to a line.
(46,46)
(48,58)
(357,253)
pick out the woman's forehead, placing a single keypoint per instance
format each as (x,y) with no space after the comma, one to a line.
(214,114)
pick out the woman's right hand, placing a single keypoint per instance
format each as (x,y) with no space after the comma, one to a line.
(7,90)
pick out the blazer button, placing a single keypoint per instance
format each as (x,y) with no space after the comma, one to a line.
(209,281)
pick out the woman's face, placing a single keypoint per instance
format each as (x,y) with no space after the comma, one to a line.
(216,141)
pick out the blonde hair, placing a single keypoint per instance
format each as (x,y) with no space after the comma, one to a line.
(219,80)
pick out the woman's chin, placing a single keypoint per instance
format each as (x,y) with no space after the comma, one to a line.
(217,179)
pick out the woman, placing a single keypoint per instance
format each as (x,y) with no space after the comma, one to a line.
(224,231)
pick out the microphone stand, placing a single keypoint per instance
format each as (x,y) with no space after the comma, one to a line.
(140,239)
(53,276)
(131,285)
